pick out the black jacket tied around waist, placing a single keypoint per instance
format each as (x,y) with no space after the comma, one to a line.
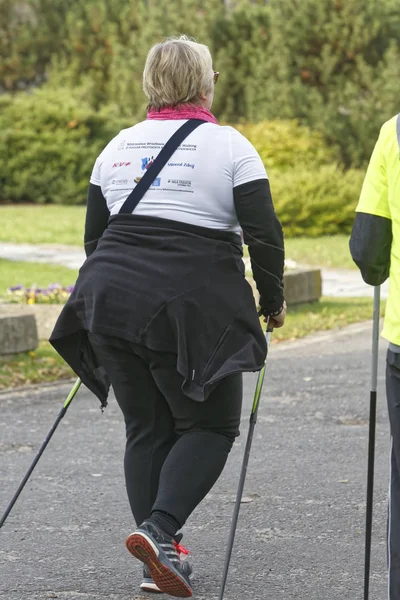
(168,286)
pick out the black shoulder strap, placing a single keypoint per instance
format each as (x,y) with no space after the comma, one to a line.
(161,160)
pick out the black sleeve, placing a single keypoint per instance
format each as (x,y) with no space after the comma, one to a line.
(97,215)
(370,246)
(263,235)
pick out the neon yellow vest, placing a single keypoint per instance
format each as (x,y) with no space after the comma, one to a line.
(380,196)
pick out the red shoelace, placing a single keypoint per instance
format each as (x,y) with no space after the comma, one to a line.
(181,549)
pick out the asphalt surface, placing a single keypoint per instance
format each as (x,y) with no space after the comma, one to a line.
(301,529)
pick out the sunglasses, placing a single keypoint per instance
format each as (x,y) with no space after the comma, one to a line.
(216,75)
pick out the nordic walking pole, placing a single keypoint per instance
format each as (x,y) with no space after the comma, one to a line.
(371,441)
(252,425)
(60,415)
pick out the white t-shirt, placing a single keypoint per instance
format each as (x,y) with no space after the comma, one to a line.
(196,185)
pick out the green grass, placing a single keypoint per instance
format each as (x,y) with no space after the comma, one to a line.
(27,274)
(42,365)
(328,313)
(45,364)
(42,224)
(327,251)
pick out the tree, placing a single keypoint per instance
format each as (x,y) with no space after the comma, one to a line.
(329,64)
(30,32)
(106,44)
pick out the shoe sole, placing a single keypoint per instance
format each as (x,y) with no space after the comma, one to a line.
(148,585)
(162,571)
(151,588)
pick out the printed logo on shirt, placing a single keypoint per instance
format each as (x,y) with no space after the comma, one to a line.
(121,145)
(156,182)
(119,181)
(147,162)
(121,164)
(143,146)
(181,182)
(181,164)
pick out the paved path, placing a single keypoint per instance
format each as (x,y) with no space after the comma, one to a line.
(300,535)
(335,282)
(68,256)
(348,283)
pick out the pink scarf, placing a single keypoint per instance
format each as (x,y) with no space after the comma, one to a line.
(182,111)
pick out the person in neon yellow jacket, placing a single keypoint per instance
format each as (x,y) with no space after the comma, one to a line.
(375,248)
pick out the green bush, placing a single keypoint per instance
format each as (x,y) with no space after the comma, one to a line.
(316,202)
(287,145)
(312,193)
(49,140)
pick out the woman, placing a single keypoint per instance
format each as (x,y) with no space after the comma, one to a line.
(162,310)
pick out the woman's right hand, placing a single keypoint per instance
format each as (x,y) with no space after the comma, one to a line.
(278,320)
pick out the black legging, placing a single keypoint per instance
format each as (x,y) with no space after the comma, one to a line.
(176,448)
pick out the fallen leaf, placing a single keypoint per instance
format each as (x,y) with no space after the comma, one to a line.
(246,500)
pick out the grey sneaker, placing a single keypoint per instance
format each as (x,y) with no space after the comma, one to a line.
(148,584)
(161,555)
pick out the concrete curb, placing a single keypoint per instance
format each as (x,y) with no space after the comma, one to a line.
(18,333)
(302,285)
(45,315)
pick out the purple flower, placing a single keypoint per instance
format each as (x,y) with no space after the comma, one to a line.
(15,288)
(55,293)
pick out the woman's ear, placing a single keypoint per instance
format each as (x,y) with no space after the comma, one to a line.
(206,100)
